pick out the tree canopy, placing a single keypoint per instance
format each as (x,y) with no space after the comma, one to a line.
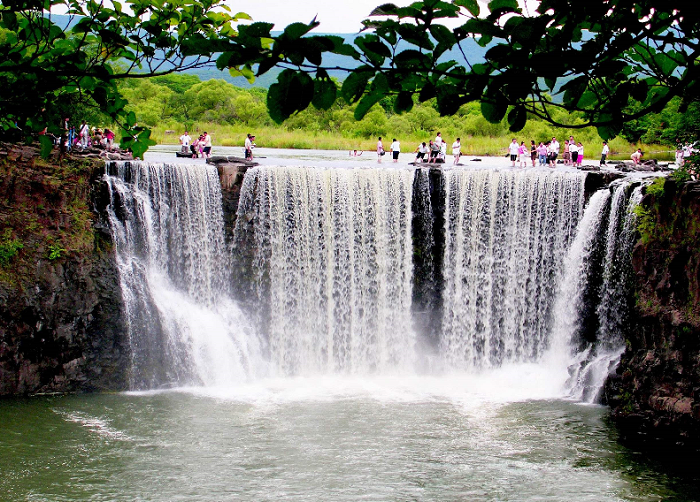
(611,61)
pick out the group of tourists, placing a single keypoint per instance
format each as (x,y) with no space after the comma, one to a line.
(84,136)
(546,153)
(394,149)
(199,147)
(684,152)
(435,151)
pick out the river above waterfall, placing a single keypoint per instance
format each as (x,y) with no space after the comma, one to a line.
(328,438)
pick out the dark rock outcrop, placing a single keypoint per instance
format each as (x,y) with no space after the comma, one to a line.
(656,391)
(61,327)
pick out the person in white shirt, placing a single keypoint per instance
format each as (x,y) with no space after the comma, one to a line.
(457,150)
(443,151)
(421,152)
(438,140)
(207,145)
(573,150)
(513,149)
(553,151)
(84,135)
(185,140)
(604,153)
(395,149)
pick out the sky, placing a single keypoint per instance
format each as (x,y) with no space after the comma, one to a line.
(336,16)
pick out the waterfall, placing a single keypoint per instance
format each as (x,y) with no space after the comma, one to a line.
(332,266)
(167,228)
(364,271)
(592,365)
(506,236)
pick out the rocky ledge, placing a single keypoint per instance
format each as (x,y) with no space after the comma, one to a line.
(61,327)
(655,394)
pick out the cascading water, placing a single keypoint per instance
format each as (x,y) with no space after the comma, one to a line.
(592,365)
(333,266)
(167,226)
(324,260)
(506,236)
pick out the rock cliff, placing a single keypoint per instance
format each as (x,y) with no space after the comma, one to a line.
(656,391)
(60,304)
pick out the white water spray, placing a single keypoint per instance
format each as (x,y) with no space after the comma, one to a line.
(334,266)
(507,233)
(167,227)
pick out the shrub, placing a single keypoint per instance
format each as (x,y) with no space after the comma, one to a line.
(9,247)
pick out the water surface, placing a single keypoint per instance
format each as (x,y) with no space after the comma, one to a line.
(318,439)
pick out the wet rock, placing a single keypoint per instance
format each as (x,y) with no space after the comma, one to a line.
(656,390)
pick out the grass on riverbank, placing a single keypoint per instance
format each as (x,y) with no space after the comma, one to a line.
(279,137)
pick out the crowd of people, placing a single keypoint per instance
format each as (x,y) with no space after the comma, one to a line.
(546,153)
(84,137)
(199,147)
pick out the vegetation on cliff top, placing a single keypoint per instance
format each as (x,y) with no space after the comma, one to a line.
(669,226)
(44,211)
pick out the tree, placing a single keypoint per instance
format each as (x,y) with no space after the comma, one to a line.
(609,61)
(45,66)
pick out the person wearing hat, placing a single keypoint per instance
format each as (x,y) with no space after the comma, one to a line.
(249,145)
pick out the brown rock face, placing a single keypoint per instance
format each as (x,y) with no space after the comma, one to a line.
(60,303)
(656,391)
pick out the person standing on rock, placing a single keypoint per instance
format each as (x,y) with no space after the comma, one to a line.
(248,147)
(395,149)
(84,135)
(513,150)
(206,151)
(553,151)
(380,150)
(456,150)
(604,153)
(185,141)
(637,156)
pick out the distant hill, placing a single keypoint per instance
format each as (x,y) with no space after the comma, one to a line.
(471,49)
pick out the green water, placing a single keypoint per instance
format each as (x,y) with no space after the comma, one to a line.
(189,446)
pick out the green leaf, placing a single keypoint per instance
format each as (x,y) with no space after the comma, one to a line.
(504,5)
(292,92)
(366,103)
(378,89)
(325,93)
(587,99)
(494,111)
(608,132)
(46,146)
(471,5)
(517,118)
(403,102)
(355,84)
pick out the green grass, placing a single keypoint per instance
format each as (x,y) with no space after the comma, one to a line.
(280,137)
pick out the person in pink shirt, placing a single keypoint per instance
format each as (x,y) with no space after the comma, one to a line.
(542,153)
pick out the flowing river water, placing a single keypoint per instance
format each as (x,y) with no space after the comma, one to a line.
(330,389)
